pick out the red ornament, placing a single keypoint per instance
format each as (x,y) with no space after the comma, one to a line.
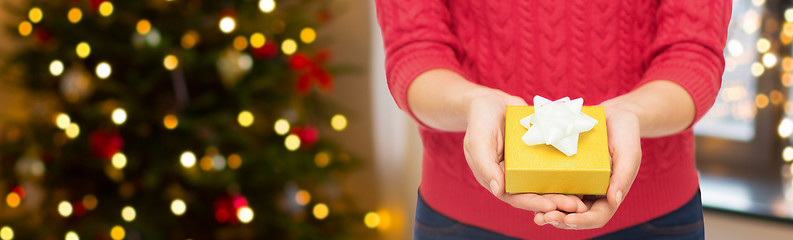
(78,207)
(105,144)
(95,4)
(268,50)
(42,36)
(308,135)
(311,71)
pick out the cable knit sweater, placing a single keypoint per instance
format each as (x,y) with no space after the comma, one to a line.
(595,49)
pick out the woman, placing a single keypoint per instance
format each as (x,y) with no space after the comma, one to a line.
(655,66)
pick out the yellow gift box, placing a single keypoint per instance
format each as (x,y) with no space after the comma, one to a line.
(544,169)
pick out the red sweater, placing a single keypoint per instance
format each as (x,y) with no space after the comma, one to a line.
(578,48)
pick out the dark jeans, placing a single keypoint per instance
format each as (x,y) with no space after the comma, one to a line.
(683,223)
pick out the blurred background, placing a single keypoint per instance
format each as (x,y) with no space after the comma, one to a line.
(262,119)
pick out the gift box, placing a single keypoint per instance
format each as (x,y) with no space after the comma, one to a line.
(544,169)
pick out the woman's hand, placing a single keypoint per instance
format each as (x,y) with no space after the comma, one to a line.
(626,153)
(484,152)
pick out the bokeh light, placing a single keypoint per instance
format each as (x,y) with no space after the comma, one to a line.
(117,233)
(13,200)
(292,142)
(119,116)
(320,211)
(245,118)
(6,233)
(302,197)
(72,131)
(65,208)
(189,39)
(170,62)
(90,202)
(240,43)
(106,8)
(322,159)
(25,28)
(281,126)
(119,160)
(71,235)
(187,159)
(257,40)
(308,35)
(56,67)
(267,6)
(787,154)
(170,121)
(372,219)
(83,50)
(143,27)
(338,122)
(35,14)
(128,213)
(245,214)
(227,24)
(74,15)
(785,128)
(289,46)
(62,121)
(178,207)
(234,161)
(103,70)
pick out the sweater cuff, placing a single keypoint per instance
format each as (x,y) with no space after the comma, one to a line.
(411,66)
(701,85)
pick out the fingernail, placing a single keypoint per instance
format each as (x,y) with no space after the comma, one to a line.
(555,223)
(619,197)
(571,225)
(494,187)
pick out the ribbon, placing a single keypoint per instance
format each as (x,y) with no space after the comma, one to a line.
(557,123)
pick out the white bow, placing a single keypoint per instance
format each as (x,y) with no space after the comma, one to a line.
(557,123)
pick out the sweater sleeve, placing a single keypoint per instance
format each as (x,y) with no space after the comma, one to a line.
(688,48)
(417,38)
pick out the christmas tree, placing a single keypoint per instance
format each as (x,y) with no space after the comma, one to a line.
(175,119)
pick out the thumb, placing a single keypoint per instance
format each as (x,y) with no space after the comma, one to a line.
(626,153)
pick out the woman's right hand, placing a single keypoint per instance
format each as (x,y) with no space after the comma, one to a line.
(484,152)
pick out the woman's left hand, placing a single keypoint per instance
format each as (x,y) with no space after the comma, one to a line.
(626,153)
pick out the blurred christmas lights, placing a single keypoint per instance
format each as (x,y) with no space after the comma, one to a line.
(371,220)
(143,27)
(320,211)
(338,122)
(6,233)
(72,131)
(187,159)
(117,233)
(289,46)
(106,8)
(227,24)
(25,28)
(35,15)
(56,68)
(65,209)
(128,213)
(308,35)
(245,118)
(178,207)
(83,50)
(281,126)
(245,214)
(267,6)
(119,160)
(74,15)
(71,235)
(257,40)
(170,62)
(292,142)
(119,116)
(103,70)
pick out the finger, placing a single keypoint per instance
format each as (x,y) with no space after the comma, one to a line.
(564,202)
(597,216)
(539,218)
(555,218)
(515,101)
(481,155)
(625,148)
(529,201)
